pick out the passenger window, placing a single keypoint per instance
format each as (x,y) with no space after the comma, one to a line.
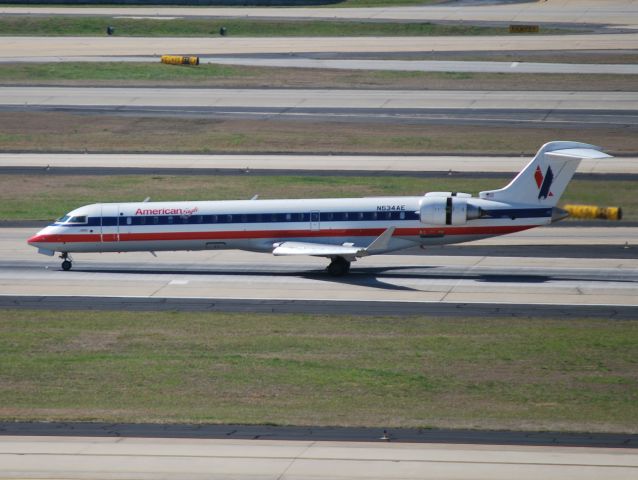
(155,220)
(244,219)
(288,217)
(360,215)
(346,215)
(129,220)
(142,220)
(170,219)
(388,216)
(229,219)
(213,218)
(199,218)
(402,215)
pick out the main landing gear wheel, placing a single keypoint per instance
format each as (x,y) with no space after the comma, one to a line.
(66,262)
(338,267)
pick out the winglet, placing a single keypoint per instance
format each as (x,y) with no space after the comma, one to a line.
(381,242)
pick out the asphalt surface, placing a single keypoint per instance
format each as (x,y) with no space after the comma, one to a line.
(577,278)
(524,108)
(323,307)
(342,434)
(492,117)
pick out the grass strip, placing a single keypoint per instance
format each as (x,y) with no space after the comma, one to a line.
(210,75)
(51,132)
(50,196)
(490,373)
(207,27)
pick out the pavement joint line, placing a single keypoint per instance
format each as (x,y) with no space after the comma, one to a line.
(318,300)
(293,459)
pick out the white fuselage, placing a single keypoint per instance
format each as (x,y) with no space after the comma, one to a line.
(257,225)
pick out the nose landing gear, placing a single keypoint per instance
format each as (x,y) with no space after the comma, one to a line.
(66,261)
(338,267)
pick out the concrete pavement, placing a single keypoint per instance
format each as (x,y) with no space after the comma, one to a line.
(141,458)
(385,278)
(23,47)
(332,163)
(613,12)
(317,98)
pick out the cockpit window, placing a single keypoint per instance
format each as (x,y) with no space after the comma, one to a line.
(62,219)
(77,219)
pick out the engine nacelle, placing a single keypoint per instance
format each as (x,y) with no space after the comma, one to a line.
(435,210)
(448,194)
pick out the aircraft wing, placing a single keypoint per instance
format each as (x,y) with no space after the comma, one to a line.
(347,251)
(317,250)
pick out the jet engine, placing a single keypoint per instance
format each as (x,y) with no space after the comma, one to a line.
(439,210)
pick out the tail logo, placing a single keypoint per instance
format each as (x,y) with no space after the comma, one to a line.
(544,182)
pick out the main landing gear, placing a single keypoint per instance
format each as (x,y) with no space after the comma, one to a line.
(66,261)
(338,267)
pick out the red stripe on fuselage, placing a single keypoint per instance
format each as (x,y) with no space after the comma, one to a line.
(278,234)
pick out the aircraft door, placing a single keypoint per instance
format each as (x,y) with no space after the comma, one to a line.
(110,231)
(315,217)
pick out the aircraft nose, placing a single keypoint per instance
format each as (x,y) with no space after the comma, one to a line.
(39,237)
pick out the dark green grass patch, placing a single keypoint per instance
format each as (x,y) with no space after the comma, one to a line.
(198,27)
(49,196)
(157,74)
(527,373)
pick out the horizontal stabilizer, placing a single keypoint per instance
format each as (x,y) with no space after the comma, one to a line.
(580,153)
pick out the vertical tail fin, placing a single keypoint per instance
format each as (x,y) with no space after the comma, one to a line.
(544,179)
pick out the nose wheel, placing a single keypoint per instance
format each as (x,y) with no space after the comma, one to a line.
(66,262)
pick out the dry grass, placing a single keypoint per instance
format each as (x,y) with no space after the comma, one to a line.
(51,132)
(499,373)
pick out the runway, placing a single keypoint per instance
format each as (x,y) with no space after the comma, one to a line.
(141,458)
(24,47)
(613,12)
(409,107)
(317,98)
(399,279)
(297,164)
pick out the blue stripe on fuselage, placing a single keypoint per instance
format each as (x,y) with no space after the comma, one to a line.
(293,217)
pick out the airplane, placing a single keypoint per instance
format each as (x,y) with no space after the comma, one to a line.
(340,229)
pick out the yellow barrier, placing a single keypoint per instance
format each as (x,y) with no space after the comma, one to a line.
(180,60)
(593,212)
(524,28)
